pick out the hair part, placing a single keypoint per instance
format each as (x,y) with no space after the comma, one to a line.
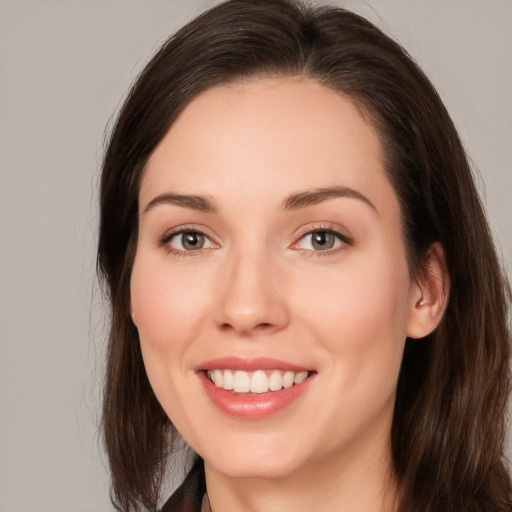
(447,441)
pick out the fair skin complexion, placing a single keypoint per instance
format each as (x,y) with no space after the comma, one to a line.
(258,264)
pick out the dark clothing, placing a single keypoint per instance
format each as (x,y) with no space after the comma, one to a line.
(189,495)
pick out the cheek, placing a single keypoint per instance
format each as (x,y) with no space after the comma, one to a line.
(360,318)
(167,311)
(166,306)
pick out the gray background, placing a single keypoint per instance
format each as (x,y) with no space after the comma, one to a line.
(64,66)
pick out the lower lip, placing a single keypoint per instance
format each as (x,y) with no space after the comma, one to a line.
(252,407)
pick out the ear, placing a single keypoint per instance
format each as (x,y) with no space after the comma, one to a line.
(430,294)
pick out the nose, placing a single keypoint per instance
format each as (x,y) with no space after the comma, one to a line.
(252,298)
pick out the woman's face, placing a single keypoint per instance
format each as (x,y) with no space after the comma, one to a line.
(270,251)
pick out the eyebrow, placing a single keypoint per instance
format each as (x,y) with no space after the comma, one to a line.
(293,202)
(318,195)
(192,202)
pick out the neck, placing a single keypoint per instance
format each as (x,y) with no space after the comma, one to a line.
(359,481)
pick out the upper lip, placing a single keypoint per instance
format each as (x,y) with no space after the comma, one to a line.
(248,365)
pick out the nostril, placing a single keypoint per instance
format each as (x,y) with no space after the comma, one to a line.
(263,326)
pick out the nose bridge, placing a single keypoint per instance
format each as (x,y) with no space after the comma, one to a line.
(252,297)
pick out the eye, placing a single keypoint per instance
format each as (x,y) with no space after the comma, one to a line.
(322,240)
(186,241)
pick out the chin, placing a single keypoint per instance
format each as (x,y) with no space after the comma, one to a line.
(254,468)
(273,459)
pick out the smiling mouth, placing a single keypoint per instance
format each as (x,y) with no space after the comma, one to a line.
(255,382)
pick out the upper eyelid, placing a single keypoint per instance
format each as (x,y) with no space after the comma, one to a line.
(324,226)
(186,228)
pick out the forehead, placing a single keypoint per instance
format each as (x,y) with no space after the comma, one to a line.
(267,137)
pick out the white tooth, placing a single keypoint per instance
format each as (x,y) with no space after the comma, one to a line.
(241,382)
(228,380)
(288,380)
(275,382)
(259,382)
(300,377)
(217,378)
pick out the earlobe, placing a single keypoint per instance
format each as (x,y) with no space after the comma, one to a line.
(430,295)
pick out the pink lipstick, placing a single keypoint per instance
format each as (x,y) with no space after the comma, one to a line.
(253,388)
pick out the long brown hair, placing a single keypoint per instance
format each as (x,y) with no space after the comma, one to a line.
(448,432)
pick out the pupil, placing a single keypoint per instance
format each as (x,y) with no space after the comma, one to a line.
(193,241)
(323,240)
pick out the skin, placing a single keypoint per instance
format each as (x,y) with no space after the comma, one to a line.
(258,288)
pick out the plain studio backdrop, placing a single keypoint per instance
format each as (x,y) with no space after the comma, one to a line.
(65,65)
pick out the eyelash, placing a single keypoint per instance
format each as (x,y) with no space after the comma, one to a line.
(343,239)
(165,241)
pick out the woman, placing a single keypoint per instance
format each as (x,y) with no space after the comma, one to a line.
(302,280)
